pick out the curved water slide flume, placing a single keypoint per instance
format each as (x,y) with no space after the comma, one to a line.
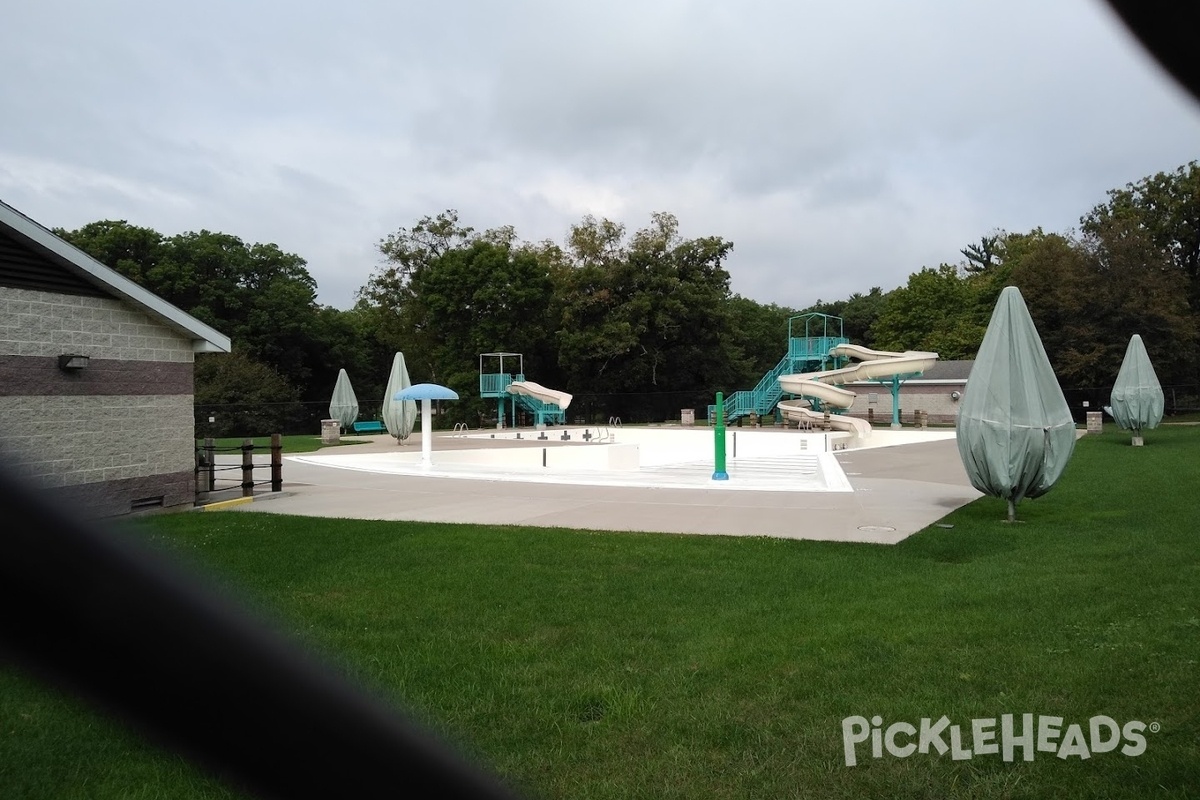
(799,411)
(536,390)
(825,385)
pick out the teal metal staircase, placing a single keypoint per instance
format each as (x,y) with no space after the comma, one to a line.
(496,385)
(805,354)
(542,412)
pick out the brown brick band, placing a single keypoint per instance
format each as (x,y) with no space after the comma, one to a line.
(40,376)
(117,497)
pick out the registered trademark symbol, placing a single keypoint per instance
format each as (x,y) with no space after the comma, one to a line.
(1155,727)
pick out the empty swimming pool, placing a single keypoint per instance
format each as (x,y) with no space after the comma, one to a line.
(664,458)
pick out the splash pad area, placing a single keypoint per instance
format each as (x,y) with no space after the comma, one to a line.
(651,457)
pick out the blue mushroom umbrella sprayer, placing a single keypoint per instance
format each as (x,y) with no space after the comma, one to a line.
(1015,431)
(426,393)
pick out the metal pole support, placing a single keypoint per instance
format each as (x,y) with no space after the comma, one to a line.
(276,462)
(210,453)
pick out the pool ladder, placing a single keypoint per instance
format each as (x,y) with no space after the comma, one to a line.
(606,433)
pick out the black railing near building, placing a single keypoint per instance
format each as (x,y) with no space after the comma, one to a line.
(207,469)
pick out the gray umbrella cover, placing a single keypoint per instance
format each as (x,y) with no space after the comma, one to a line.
(400,416)
(1015,430)
(344,405)
(1137,397)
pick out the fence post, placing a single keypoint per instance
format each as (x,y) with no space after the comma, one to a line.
(210,453)
(276,462)
(247,468)
(201,475)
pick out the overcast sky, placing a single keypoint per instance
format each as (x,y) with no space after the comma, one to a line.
(839,146)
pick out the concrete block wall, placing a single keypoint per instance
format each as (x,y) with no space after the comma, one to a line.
(935,399)
(120,431)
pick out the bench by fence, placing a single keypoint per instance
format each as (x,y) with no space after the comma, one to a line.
(371,426)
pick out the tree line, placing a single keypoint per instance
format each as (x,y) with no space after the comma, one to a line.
(632,314)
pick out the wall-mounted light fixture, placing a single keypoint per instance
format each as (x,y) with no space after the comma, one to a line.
(72,361)
(955,395)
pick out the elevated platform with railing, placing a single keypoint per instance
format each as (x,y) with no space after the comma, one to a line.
(499,385)
(807,353)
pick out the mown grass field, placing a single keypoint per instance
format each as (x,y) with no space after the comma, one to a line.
(290,444)
(588,664)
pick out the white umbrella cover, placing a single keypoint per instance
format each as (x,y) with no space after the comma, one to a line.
(399,416)
(344,405)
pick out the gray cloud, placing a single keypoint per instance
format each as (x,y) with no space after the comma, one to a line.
(839,147)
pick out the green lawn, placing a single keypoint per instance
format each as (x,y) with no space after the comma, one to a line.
(585,664)
(290,444)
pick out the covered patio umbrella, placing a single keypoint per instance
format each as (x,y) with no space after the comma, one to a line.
(343,406)
(1015,431)
(426,393)
(399,416)
(1137,397)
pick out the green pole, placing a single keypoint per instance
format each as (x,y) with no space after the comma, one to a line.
(719,473)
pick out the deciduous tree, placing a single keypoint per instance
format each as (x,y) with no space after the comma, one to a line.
(934,311)
(1166,208)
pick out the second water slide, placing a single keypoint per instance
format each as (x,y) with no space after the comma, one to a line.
(549,396)
(828,386)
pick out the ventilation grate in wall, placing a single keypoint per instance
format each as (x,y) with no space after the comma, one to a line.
(146,502)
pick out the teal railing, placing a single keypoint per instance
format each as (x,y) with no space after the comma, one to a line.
(542,412)
(495,384)
(805,354)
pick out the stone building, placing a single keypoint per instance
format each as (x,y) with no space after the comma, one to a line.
(937,392)
(96,383)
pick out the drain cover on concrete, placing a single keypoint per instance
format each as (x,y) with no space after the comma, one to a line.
(876,528)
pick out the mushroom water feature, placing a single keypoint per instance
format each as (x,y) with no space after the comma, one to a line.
(426,393)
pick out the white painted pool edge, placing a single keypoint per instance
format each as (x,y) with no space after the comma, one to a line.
(769,460)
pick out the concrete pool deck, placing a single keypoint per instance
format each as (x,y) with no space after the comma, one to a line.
(893,492)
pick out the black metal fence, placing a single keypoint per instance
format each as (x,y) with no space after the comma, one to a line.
(1177,399)
(235,420)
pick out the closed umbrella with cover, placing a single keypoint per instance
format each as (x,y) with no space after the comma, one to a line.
(1137,397)
(1015,431)
(399,416)
(344,405)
